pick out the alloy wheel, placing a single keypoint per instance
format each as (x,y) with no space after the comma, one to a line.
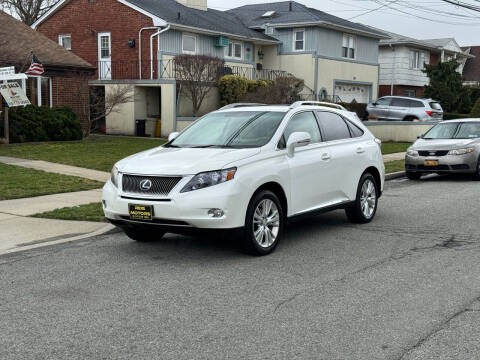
(266,223)
(368,198)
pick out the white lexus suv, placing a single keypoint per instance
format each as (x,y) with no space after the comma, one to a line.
(249,168)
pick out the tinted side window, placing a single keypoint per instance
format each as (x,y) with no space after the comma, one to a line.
(334,126)
(355,130)
(384,101)
(415,103)
(303,122)
(399,102)
(435,106)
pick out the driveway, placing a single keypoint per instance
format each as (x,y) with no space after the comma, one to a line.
(406,286)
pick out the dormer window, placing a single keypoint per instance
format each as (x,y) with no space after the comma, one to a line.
(268,14)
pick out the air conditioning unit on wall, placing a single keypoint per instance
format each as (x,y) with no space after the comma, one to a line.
(222,41)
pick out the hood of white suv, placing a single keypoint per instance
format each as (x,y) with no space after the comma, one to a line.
(182,161)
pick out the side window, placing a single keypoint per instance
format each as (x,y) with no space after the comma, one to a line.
(400,102)
(384,101)
(354,130)
(303,122)
(416,104)
(334,126)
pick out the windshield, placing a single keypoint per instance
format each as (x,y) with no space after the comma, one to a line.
(230,129)
(457,130)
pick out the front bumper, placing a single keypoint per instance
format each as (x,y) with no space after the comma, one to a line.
(181,210)
(446,164)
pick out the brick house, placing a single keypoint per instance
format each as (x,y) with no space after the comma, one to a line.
(402,60)
(135,41)
(66,74)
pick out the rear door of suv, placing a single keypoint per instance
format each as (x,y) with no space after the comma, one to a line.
(348,153)
(398,109)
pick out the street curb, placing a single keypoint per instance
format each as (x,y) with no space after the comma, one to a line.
(108,228)
(394,175)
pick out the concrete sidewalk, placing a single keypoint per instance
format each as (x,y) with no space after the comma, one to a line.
(394,157)
(97,175)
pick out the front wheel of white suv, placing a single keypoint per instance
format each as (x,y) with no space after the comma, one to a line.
(264,223)
(365,205)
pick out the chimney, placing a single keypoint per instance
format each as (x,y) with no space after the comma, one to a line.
(195,4)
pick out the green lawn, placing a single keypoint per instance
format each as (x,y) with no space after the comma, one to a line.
(95,152)
(394,147)
(394,166)
(17,182)
(89,212)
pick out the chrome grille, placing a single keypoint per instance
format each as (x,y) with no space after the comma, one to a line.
(160,185)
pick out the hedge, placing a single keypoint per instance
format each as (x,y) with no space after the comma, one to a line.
(453,116)
(233,87)
(38,123)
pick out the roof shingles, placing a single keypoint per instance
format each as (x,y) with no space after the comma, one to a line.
(17,41)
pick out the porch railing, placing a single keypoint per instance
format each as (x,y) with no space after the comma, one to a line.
(131,70)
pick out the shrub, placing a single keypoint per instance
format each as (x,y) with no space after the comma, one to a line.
(284,90)
(37,123)
(232,88)
(359,108)
(453,116)
(476,109)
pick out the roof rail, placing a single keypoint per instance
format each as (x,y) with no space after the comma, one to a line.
(318,103)
(237,105)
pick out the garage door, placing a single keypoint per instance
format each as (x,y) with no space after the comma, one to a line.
(349,92)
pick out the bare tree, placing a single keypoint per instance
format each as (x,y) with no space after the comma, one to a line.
(28,11)
(197,75)
(97,103)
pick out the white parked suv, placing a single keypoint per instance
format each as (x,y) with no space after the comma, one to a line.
(249,168)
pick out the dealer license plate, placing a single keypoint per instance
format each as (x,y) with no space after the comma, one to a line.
(140,212)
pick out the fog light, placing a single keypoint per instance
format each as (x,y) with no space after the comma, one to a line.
(215,213)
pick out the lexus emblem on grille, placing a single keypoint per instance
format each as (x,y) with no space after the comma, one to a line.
(432,153)
(145,185)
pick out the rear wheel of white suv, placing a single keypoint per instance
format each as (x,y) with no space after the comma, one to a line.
(264,223)
(365,205)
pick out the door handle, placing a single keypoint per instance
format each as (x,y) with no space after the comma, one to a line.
(360,150)
(326,156)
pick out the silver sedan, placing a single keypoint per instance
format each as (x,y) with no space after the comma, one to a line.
(448,147)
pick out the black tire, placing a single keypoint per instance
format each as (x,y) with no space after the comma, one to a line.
(354,212)
(413,175)
(476,175)
(249,239)
(410,118)
(142,235)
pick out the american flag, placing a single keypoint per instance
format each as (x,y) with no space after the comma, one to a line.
(36,68)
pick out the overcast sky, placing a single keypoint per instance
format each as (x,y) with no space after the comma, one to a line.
(463,25)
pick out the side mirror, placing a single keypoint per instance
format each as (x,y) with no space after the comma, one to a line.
(172,136)
(420,136)
(374,103)
(297,139)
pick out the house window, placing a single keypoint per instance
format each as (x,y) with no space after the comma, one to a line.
(410,93)
(348,46)
(65,40)
(234,50)
(189,44)
(415,59)
(39,90)
(299,40)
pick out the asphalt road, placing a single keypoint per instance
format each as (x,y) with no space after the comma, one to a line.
(406,286)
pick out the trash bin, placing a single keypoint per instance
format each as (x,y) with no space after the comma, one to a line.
(140,127)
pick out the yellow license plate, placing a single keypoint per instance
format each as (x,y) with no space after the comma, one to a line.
(140,212)
(431,163)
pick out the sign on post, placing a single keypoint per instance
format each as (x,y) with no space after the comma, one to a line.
(13,94)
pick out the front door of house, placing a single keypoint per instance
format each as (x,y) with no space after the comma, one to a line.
(104,56)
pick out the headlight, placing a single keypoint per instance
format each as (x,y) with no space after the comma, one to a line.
(210,178)
(114,176)
(412,152)
(461,151)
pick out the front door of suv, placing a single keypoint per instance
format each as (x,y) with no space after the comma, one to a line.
(308,165)
(380,110)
